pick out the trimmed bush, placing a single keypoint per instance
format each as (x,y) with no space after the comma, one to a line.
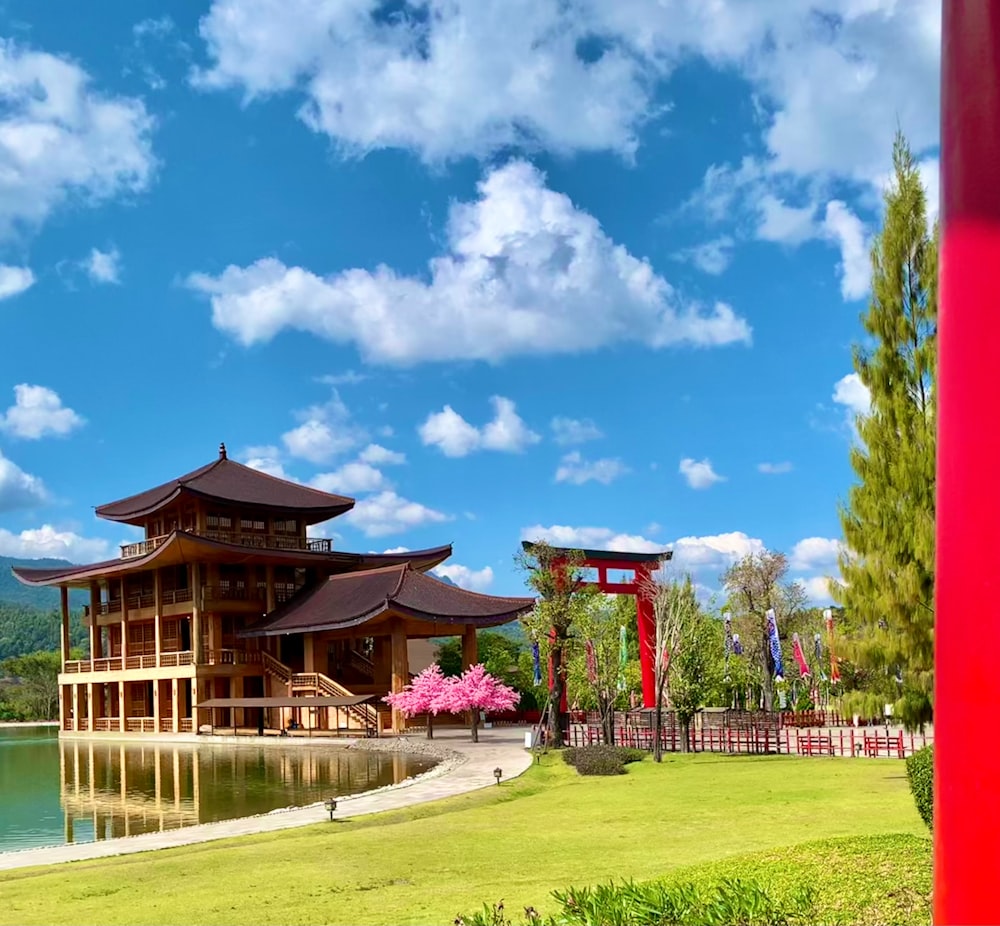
(599,763)
(620,754)
(920,772)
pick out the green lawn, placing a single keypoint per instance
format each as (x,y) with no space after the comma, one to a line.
(549,829)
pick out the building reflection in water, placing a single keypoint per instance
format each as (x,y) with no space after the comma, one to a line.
(122,789)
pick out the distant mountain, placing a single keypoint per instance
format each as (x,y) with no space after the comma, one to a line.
(45,599)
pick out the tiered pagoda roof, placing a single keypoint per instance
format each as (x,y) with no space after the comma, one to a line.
(228,482)
(346,601)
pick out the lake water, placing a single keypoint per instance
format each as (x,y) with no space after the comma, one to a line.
(54,792)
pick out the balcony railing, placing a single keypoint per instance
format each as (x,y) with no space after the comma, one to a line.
(233,657)
(146,661)
(258,541)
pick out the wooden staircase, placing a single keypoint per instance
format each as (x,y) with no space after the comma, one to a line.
(317,685)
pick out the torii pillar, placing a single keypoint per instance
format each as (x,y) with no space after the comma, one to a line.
(966,637)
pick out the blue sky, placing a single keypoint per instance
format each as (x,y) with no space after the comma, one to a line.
(499,269)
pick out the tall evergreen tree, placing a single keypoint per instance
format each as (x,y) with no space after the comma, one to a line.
(888,521)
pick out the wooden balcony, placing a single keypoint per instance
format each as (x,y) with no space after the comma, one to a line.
(257,541)
(116,663)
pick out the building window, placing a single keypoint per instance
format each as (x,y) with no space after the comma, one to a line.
(218,522)
(286,526)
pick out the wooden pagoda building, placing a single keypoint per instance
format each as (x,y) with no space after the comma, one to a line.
(228,614)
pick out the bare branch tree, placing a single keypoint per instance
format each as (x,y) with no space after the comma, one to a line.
(674,608)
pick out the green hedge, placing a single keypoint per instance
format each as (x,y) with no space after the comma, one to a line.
(920,772)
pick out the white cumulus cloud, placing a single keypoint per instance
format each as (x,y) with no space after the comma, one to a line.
(573,468)
(14,280)
(324,432)
(61,138)
(104,266)
(48,542)
(356,476)
(377,455)
(19,489)
(853,394)
(388,513)
(455,437)
(699,473)
(475,580)
(848,231)
(591,538)
(815,553)
(38,412)
(525,272)
(267,459)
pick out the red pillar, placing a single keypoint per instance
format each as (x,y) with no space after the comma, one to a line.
(647,635)
(967,637)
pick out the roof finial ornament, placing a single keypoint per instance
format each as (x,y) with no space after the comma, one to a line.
(222,451)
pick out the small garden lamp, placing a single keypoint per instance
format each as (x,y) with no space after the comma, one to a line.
(498,774)
(331,805)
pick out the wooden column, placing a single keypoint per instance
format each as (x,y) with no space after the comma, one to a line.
(64,626)
(76,708)
(269,580)
(175,704)
(196,602)
(470,648)
(95,629)
(308,652)
(91,705)
(158,616)
(124,624)
(400,670)
(193,706)
(122,710)
(156,705)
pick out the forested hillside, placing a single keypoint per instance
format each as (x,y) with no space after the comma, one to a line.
(29,617)
(46,599)
(24,629)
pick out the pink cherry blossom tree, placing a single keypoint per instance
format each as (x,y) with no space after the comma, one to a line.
(476,690)
(424,695)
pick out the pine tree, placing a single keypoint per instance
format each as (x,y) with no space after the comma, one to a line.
(888,521)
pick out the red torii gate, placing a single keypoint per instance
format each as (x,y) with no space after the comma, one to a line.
(966,635)
(641,565)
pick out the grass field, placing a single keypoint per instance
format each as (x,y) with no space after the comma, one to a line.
(547,830)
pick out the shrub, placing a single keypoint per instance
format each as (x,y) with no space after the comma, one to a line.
(622,755)
(729,902)
(599,763)
(920,772)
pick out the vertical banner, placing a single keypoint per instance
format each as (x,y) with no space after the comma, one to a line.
(536,663)
(774,643)
(800,657)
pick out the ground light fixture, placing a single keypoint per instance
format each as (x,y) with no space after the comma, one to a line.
(498,774)
(331,805)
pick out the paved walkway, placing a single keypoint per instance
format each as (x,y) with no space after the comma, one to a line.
(469,768)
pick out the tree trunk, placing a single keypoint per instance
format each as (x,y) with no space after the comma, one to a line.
(685,726)
(475,725)
(607,708)
(430,726)
(557,719)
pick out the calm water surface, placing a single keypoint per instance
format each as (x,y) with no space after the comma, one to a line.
(54,792)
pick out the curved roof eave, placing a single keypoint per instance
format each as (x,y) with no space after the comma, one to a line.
(175,550)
